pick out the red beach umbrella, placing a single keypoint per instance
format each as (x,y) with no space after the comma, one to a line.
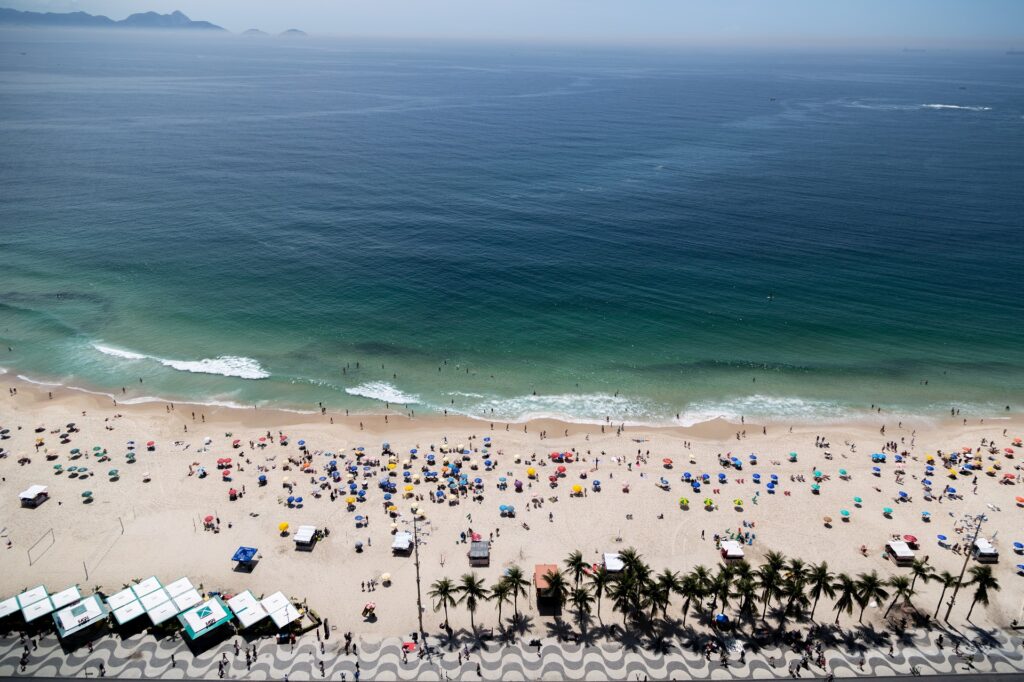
(910,538)
(208,519)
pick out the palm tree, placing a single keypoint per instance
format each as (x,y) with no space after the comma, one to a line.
(821,582)
(558,587)
(921,569)
(501,593)
(666,584)
(721,587)
(690,590)
(701,583)
(870,587)
(621,592)
(519,583)
(902,588)
(947,580)
(769,577)
(746,592)
(581,600)
(443,593)
(984,582)
(795,578)
(847,589)
(576,566)
(472,591)
(600,581)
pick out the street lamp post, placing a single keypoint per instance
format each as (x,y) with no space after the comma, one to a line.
(419,597)
(978,520)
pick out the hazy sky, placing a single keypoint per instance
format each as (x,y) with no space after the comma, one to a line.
(926,23)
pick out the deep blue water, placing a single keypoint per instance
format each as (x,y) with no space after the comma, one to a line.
(626,233)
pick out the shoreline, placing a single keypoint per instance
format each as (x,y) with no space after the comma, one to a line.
(863,417)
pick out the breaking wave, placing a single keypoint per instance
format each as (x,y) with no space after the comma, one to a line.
(384,392)
(225,365)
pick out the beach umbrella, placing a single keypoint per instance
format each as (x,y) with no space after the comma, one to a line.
(359,518)
(903,495)
(774,477)
(887,511)
(910,538)
(350,500)
(815,487)
(86,493)
(683,501)
(845,513)
(818,474)
(951,491)
(737,502)
(708,502)
(58,467)
(291,499)
(942,539)
(387,496)
(1020,500)
(926,483)
(857,500)
(75,451)
(531,472)
(842,472)
(827,519)
(112,472)
(667,462)
(577,488)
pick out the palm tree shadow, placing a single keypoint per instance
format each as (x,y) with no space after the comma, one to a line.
(520,624)
(560,630)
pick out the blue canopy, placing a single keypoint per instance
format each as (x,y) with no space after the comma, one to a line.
(262,478)
(387,496)
(244,554)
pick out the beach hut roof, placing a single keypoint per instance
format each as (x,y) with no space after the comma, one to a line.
(613,562)
(78,616)
(204,617)
(539,573)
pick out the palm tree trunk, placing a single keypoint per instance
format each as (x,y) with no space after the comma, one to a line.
(814,606)
(446,621)
(971,610)
(838,614)
(860,618)
(891,604)
(941,597)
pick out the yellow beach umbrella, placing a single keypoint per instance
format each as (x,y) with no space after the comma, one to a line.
(283,526)
(409,488)
(577,488)
(392,508)
(531,472)
(350,500)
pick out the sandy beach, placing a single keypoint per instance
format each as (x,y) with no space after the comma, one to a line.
(133,529)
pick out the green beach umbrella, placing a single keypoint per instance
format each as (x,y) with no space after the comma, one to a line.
(97,448)
(817,474)
(842,472)
(815,487)
(75,451)
(683,501)
(112,472)
(82,470)
(58,467)
(887,510)
(845,512)
(857,500)
(86,493)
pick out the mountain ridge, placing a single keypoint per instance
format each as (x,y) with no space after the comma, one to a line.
(174,20)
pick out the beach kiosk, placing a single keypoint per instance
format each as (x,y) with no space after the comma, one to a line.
(34,496)
(613,562)
(280,609)
(35,603)
(305,537)
(546,602)
(984,552)
(479,553)
(899,552)
(73,621)
(247,609)
(732,550)
(204,618)
(8,607)
(402,543)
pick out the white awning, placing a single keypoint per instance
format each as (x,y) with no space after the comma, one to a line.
(163,612)
(613,562)
(242,601)
(732,549)
(122,598)
(187,600)
(282,617)
(179,586)
(249,616)
(130,611)
(402,541)
(8,606)
(155,599)
(65,597)
(32,596)
(73,618)
(33,492)
(37,609)
(275,602)
(305,534)
(901,550)
(146,586)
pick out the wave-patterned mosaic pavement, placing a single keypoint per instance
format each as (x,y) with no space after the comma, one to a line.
(144,656)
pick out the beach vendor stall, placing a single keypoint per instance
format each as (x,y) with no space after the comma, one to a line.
(984,552)
(732,550)
(247,609)
(402,543)
(900,552)
(34,496)
(79,617)
(305,538)
(246,558)
(204,618)
(479,553)
(613,562)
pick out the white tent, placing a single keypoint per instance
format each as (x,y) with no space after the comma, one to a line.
(187,600)
(146,586)
(179,586)
(732,549)
(613,562)
(65,597)
(31,596)
(128,612)
(155,599)
(162,612)
(37,609)
(304,535)
(33,496)
(280,609)
(900,551)
(79,616)
(121,599)
(8,606)
(246,609)
(402,541)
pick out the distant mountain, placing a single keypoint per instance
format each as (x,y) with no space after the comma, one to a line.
(292,33)
(254,32)
(174,20)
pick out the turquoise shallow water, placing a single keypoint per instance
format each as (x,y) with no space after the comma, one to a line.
(512,231)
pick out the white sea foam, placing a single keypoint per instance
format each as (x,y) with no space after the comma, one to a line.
(762,407)
(384,392)
(574,408)
(118,353)
(3,370)
(225,365)
(38,382)
(955,106)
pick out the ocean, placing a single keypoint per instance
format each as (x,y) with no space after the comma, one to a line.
(512,231)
